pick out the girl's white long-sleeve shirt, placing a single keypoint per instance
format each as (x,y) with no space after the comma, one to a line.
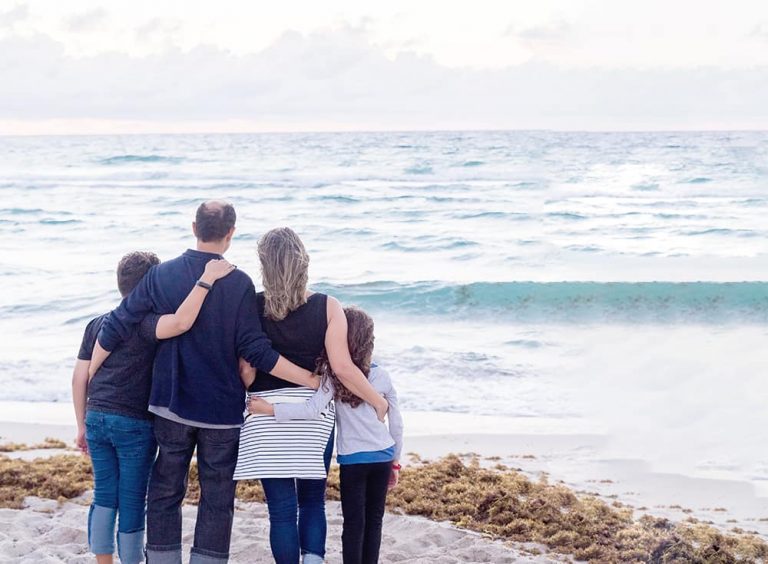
(358,428)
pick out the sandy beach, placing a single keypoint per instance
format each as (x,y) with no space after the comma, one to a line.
(48,532)
(576,460)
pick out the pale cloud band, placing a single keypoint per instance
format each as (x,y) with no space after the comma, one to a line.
(348,78)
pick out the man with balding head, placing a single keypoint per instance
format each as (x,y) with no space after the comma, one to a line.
(197,395)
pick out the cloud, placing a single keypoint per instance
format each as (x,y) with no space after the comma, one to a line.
(18,13)
(157,28)
(339,80)
(87,21)
(557,30)
(760,31)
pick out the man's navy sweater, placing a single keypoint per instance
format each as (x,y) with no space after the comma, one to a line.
(195,375)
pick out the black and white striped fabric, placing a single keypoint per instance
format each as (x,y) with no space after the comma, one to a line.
(292,449)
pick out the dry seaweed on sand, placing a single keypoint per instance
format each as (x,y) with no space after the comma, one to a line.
(502,503)
(48,443)
(58,477)
(509,505)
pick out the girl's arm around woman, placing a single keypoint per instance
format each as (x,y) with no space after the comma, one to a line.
(309,409)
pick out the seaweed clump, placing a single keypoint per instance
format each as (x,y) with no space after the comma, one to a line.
(507,504)
(48,443)
(59,477)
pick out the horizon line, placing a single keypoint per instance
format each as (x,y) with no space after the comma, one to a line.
(397,130)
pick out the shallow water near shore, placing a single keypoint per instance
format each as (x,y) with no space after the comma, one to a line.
(609,281)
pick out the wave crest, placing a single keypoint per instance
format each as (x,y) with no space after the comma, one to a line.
(679,302)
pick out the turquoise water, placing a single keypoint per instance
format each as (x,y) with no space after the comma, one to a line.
(575,302)
(513,273)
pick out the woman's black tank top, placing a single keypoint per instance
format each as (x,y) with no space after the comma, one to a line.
(300,338)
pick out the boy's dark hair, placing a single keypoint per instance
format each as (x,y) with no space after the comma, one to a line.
(132,268)
(214,220)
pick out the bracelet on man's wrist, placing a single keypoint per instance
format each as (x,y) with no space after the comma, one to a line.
(204,285)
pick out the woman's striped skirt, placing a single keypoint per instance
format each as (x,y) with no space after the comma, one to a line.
(291,449)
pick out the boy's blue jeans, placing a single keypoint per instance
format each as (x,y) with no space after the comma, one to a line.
(297,522)
(122,450)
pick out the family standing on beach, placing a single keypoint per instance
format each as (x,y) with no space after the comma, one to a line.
(189,352)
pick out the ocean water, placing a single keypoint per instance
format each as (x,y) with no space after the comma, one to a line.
(615,281)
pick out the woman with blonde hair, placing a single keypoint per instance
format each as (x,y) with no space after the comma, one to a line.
(292,459)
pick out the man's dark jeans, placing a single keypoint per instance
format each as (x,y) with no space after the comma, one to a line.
(216,459)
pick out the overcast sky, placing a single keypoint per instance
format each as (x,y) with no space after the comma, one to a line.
(164,66)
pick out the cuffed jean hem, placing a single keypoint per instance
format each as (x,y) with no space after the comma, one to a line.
(202,556)
(309,558)
(101,529)
(130,547)
(163,554)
